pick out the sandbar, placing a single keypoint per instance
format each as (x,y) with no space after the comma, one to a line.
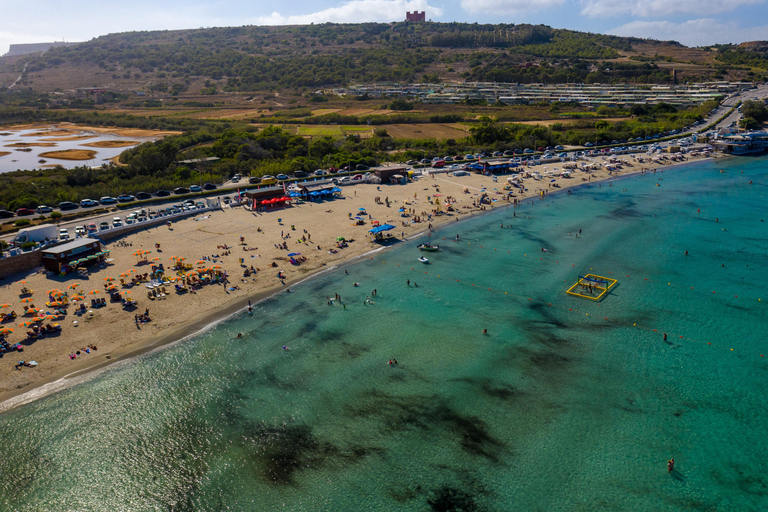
(70,154)
(111,144)
(31,144)
(3,153)
(114,330)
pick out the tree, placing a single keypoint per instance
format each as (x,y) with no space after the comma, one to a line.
(756,110)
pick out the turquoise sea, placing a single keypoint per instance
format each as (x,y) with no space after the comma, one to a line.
(565,404)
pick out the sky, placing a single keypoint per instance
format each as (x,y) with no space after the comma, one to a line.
(691,22)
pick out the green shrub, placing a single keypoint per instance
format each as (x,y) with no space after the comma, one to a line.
(21,223)
(28,245)
(55,216)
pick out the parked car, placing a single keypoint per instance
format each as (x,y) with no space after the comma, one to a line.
(117,222)
(357,177)
(142,196)
(209,186)
(195,188)
(252,180)
(162,193)
(343,179)
(125,198)
(88,203)
(5,214)
(283,177)
(108,200)
(103,225)
(411,162)
(426,161)
(44,209)
(63,234)
(181,190)
(300,174)
(68,205)
(92,228)
(79,231)
(320,172)
(24,211)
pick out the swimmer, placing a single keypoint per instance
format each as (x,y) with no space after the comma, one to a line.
(670,465)
(285,348)
(485,331)
(239,335)
(356,284)
(686,253)
(665,336)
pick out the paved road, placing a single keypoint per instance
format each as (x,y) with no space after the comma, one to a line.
(754,94)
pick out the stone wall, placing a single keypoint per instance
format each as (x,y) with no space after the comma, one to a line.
(24,261)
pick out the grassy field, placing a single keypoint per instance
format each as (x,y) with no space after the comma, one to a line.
(427,131)
(319,130)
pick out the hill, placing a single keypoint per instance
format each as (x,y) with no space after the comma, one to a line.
(304,58)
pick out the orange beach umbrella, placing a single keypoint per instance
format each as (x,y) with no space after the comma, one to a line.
(94,292)
(27,300)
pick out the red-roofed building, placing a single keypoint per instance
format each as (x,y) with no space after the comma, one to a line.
(416,16)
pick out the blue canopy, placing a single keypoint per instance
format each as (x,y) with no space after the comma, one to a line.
(383,227)
(361,209)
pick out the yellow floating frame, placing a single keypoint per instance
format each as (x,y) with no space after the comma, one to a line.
(592,277)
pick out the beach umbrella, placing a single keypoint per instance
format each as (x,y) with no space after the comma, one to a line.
(49,317)
(361,209)
(28,323)
(552,181)
(156,259)
(27,300)
(111,288)
(340,239)
(5,305)
(138,253)
(23,281)
(109,279)
(440,195)
(132,271)
(125,274)
(294,254)
(201,262)
(125,292)
(6,330)
(34,310)
(73,286)
(56,303)
(93,292)
(53,291)
(216,267)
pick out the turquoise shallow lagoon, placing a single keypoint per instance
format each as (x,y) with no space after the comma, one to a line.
(566,404)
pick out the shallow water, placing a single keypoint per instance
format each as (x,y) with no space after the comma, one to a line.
(27,160)
(565,404)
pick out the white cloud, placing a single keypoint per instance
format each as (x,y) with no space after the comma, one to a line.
(700,32)
(661,8)
(354,11)
(508,7)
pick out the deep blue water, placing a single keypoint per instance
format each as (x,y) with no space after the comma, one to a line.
(565,404)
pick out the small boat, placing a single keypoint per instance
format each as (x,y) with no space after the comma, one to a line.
(423,260)
(426,246)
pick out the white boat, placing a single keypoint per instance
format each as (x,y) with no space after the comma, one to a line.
(423,259)
(426,246)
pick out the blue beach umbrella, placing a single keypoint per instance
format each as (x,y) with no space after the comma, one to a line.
(361,209)
(552,181)
(294,254)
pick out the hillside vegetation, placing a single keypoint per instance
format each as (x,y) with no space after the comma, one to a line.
(247,59)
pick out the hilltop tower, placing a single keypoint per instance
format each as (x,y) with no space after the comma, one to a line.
(416,16)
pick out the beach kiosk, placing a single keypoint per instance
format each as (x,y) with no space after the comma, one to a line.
(266,197)
(317,190)
(392,175)
(66,255)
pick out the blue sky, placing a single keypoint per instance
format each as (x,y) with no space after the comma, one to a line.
(692,22)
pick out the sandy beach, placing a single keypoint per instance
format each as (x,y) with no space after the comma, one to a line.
(308,228)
